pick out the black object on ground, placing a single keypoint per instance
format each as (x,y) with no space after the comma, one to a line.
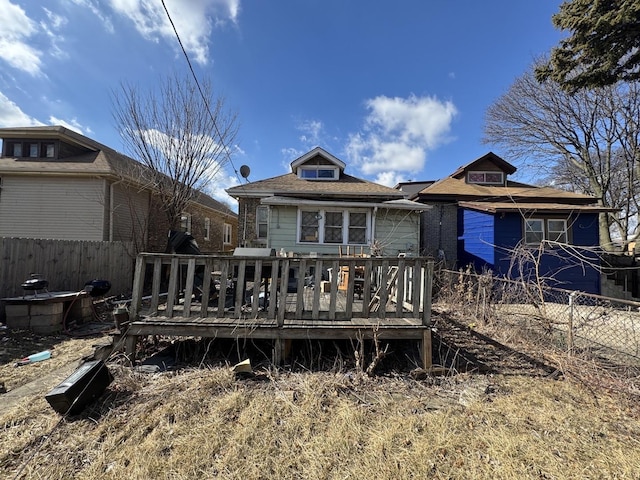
(83,386)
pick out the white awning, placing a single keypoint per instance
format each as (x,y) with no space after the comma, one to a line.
(401,204)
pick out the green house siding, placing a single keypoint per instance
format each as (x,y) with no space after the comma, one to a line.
(395,230)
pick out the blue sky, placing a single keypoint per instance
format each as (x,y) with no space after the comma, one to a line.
(397,90)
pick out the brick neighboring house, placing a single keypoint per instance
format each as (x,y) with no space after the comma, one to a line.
(318,208)
(480,217)
(59,184)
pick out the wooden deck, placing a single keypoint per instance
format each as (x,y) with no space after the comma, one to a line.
(281,299)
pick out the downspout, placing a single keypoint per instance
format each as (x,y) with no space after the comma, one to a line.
(373,227)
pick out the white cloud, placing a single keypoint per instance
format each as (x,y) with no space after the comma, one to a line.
(289,155)
(193,20)
(73,124)
(312,132)
(216,188)
(12,116)
(56,22)
(398,133)
(390,179)
(16,28)
(95,9)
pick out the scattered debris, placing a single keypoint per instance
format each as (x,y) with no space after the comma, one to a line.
(36,357)
(243,368)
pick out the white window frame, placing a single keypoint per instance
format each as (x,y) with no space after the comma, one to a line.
(17,149)
(265,223)
(207,228)
(556,235)
(226,234)
(185,222)
(484,174)
(313,172)
(34,150)
(321,213)
(547,232)
(49,150)
(541,232)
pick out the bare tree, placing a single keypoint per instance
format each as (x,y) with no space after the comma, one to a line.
(180,132)
(588,140)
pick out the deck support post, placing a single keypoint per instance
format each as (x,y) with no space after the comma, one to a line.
(130,342)
(281,350)
(278,351)
(426,349)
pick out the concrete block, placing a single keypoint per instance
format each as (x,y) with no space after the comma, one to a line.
(46,308)
(16,310)
(18,322)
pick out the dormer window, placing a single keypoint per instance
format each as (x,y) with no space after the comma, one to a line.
(318,172)
(34,150)
(17,149)
(490,178)
(49,150)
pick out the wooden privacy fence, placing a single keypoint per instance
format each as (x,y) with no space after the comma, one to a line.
(66,264)
(282,298)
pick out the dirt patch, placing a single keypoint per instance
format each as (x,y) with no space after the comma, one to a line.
(461,347)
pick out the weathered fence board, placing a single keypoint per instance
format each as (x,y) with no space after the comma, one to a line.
(66,264)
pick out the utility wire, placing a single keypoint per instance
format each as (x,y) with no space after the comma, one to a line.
(204,98)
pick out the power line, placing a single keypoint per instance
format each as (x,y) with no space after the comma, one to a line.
(225,148)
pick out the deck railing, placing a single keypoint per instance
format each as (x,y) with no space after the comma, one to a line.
(275,289)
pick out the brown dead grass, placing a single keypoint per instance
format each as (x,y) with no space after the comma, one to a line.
(204,423)
(19,344)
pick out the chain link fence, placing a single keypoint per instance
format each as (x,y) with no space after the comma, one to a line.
(592,327)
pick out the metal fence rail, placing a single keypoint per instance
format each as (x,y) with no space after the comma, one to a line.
(603,329)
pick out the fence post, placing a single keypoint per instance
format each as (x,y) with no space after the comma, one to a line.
(572,297)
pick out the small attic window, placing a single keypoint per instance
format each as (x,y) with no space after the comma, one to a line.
(491,178)
(318,173)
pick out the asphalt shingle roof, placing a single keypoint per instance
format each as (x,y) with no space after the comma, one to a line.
(290,184)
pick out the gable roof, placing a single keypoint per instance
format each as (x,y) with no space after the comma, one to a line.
(318,151)
(97,160)
(290,185)
(455,188)
(490,157)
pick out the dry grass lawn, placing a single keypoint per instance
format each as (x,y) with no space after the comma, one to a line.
(206,423)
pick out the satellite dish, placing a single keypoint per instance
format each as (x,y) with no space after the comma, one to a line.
(245,171)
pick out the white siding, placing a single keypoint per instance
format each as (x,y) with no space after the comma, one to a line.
(130,214)
(64,208)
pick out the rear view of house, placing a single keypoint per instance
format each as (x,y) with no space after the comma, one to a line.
(318,208)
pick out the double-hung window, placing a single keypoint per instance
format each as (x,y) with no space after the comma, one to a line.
(537,230)
(262,222)
(333,227)
(226,234)
(310,226)
(207,228)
